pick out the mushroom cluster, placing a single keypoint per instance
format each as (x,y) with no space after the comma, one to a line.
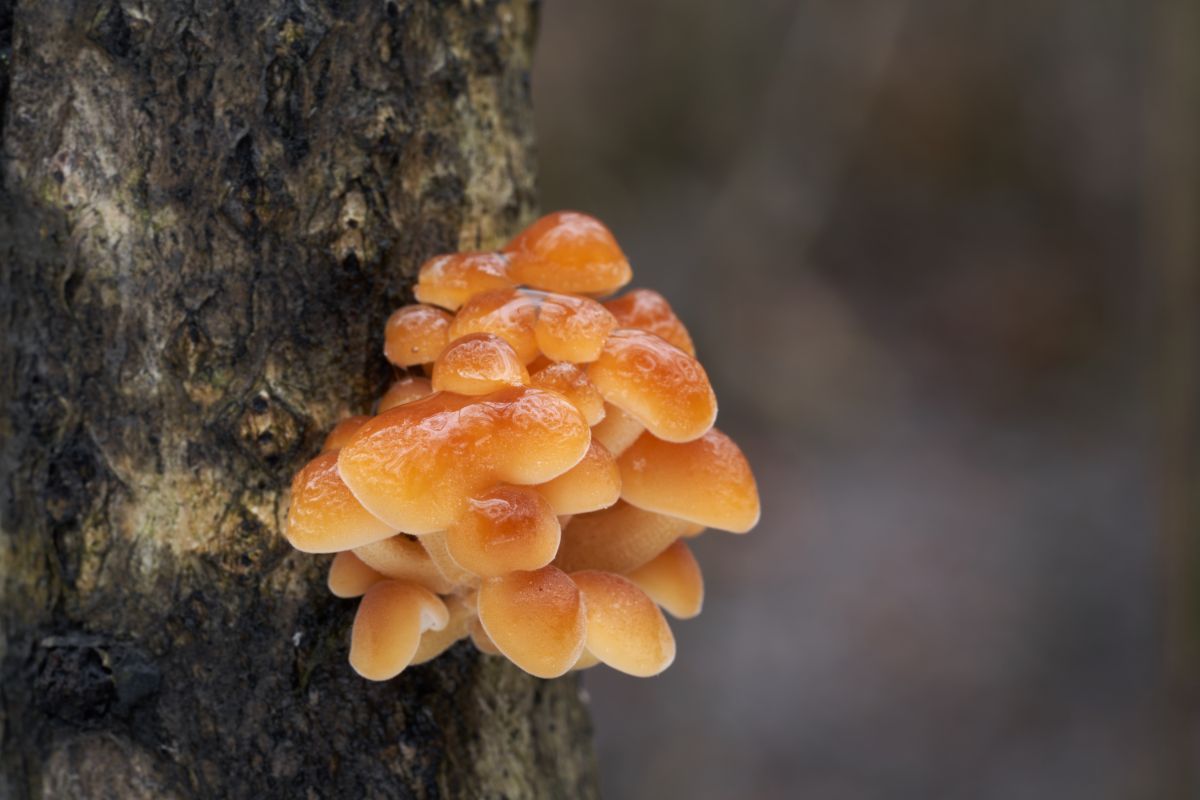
(531,479)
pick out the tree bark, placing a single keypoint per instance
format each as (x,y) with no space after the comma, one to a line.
(208,211)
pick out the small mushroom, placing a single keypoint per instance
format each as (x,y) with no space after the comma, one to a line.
(673,580)
(619,539)
(505,528)
(388,627)
(407,465)
(572,383)
(483,643)
(349,576)
(571,328)
(451,280)
(403,558)
(707,481)
(438,549)
(415,335)
(324,516)
(404,390)
(617,429)
(568,252)
(342,432)
(592,484)
(625,629)
(435,642)
(506,313)
(647,310)
(661,386)
(478,363)
(586,661)
(536,619)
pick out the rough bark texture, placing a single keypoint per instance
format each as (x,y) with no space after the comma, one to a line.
(209,209)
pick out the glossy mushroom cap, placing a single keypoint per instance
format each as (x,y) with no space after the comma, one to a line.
(619,539)
(451,280)
(478,363)
(507,313)
(661,386)
(403,558)
(536,619)
(407,465)
(415,335)
(625,629)
(324,517)
(617,429)
(707,481)
(571,328)
(572,383)
(592,484)
(568,252)
(404,390)
(349,576)
(388,627)
(504,528)
(673,580)
(342,432)
(647,310)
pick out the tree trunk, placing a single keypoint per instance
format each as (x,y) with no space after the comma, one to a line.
(208,211)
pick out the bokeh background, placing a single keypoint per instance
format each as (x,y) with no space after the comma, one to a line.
(910,240)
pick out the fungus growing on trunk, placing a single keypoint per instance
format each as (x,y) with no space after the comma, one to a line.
(532,495)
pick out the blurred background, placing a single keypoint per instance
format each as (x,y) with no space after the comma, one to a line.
(923,247)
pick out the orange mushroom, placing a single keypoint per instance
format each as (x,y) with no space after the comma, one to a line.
(617,429)
(507,313)
(476,364)
(625,629)
(619,539)
(451,280)
(404,390)
(349,576)
(568,252)
(438,549)
(324,517)
(458,626)
(403,558)
(388,627)
(504,528)
(647,310)
(342,432)
(592,484)
(571,328)
(571,382)
(415,335)
(673,580)
(536,619)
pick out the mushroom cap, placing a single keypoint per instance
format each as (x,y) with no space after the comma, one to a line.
(403,558)
(415,334)
(568,252)
(481,640)
(619,538)
(349,576)
(415,465)
(478,363)
(571,328)
(404,390)
(625,629)
(647,310)
(592,484)
(438,548)
(342,432)
(388,627)
(572,383)
(506,313)
(453,279)
(536,619)
(616,430)
(586,661)
(707,481)
(505,528)
(673,580)
(657,383)
(324,517)
(435,642)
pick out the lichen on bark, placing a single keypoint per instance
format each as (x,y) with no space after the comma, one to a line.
(208,211)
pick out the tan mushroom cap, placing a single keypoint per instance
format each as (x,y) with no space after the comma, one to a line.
(349,576)
(617,429)
(415,334)
(404,390)
(592,484)
(435,642)
(403,558)
(673,580)
(506,313)
(586,661)
(415,465)
(505,529)
(620,539)
(568,252)
(625,629)
(451,280)
(478,363)
(536,619)
(438,548)
(572,382)
(571,328)
(657,383)
(483,643)
(388,627)
(324,516)
(707,481)
(342,432)
(647,310)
